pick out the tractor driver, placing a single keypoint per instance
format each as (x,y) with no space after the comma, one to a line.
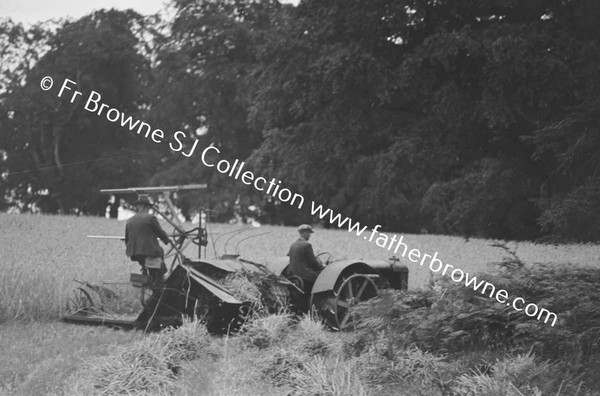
(303,262)
(141,232)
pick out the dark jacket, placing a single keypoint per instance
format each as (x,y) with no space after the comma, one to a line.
(141,232)
(303,262)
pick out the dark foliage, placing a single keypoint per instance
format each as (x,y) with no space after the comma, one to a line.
(479,115)
(453,319)
(471,118)
(58,154)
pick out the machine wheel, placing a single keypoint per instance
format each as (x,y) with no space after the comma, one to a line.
(81,302)
(354,289)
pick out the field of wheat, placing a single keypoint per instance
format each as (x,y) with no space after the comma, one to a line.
(41,255)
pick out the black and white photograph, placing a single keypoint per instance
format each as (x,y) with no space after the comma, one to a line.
(300,197)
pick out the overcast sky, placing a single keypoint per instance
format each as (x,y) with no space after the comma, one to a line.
(31,11)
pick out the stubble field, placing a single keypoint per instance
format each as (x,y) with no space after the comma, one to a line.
(41,255)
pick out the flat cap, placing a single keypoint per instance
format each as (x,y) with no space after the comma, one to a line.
(305,227)
(143,199)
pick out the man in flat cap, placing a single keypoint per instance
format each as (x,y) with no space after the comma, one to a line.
(303,262)
(141,232)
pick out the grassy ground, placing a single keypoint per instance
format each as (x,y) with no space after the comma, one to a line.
(278,356)
(39,358)
(43,254)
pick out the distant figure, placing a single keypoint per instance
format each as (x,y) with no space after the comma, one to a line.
(303,262)
(271,215)
(112,210)
(224,210)
(141,232)
(238,212)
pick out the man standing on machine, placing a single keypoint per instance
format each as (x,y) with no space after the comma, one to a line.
(141,232)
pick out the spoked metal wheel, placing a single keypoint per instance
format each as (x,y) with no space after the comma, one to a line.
(81,302)
(354,289)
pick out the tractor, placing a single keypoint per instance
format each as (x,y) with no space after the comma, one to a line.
(202,287)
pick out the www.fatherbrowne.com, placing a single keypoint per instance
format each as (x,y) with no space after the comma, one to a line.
(396,244)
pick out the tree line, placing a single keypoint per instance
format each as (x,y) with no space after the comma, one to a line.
(476,118)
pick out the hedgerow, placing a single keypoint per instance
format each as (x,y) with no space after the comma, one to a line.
(451,320)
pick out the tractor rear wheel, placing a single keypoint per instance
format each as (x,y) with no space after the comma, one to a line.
(335,306)
(355,289)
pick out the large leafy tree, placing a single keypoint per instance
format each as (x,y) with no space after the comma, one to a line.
(58,149)
(204,69)
(20,49)
(205,66)
(328,102)
(439,114)
(527,71)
